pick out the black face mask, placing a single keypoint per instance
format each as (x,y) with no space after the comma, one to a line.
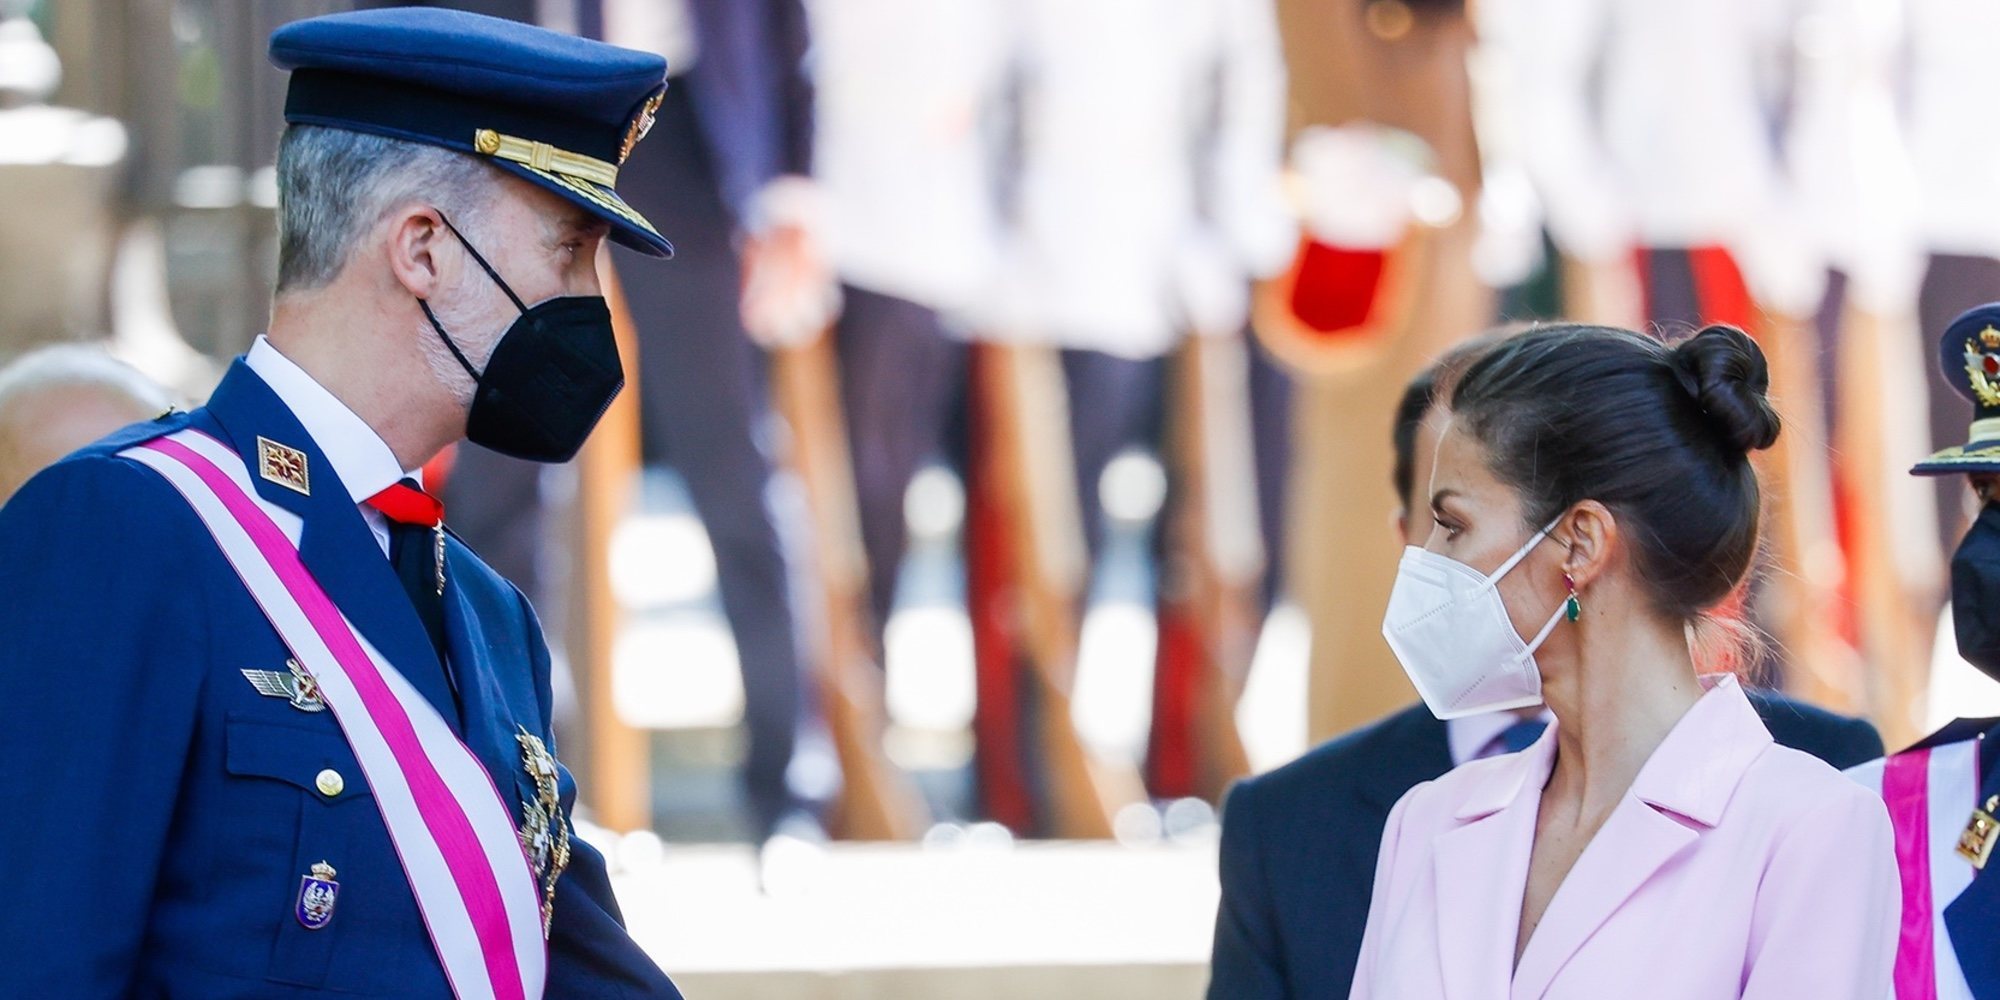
(1975,592)
(553,374)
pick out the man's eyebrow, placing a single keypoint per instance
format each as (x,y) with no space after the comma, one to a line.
(582,224)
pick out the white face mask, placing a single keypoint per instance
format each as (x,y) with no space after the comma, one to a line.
(1449,627)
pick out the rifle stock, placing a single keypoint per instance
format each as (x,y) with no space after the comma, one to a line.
(878,801)
(616,756)
(1027,454)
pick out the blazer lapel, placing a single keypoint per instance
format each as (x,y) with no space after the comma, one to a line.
(1481,872)
(1682,789)
(334,543)
(1632,845)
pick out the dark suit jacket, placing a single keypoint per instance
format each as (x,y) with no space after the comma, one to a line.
(1299,844)
(164,811)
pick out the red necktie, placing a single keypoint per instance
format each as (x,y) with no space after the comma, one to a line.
(407,503)
(416,548)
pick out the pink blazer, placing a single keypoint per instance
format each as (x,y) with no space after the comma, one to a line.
(1733,868)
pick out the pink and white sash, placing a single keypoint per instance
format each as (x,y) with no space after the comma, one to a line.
(1930,793)
(452,830)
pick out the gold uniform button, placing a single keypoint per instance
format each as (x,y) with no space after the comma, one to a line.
(330,783)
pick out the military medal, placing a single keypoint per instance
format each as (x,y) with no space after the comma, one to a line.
(544,831)
(294,685)
(1981,833)
(316,896)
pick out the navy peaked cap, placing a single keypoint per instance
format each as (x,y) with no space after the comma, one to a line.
(553,109)
(1969,360)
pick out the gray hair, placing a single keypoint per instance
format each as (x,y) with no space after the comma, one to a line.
(80,366)
(334,184)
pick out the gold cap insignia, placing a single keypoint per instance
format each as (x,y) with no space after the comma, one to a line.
(641,124)
(1989,338)
(283,465)
(1982,367)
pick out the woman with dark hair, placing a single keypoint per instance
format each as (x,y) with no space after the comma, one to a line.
(1594,492)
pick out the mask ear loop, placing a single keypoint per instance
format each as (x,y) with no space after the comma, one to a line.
(491,273)
(448,345)
(488,268)
(1493,579)
(1542,636)
(1562,610)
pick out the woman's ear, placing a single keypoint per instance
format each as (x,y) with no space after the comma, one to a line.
(412,235)
(1592,534)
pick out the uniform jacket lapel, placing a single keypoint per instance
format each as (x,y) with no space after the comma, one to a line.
(489,731)
(1973,919)
(335,543)
(1482,871)
(1682,790)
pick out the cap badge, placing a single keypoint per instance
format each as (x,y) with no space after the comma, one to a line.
(641,124)
(1982,365)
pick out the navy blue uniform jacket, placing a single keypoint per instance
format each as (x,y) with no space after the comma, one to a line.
(161,812)
(1299,844)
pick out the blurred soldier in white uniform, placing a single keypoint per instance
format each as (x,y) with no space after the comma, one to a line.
(909,102)
(1146,198)
(1657,128)
(1144,201)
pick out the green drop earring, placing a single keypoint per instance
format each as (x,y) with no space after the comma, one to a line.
(1572,608)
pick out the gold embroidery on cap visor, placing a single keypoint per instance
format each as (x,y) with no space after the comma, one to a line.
(1982,447)
(591,180)
(1988,455)
(544,158)
(600,197)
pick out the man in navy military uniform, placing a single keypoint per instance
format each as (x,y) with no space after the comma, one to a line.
(188,820)
(1944,793)
(1299,844)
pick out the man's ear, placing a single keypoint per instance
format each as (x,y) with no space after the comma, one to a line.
(1593,536)
(411,236)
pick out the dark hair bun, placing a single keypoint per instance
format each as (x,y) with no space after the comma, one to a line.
(1724,370)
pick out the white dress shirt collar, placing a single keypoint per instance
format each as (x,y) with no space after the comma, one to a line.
(359,456)
(1469,735)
